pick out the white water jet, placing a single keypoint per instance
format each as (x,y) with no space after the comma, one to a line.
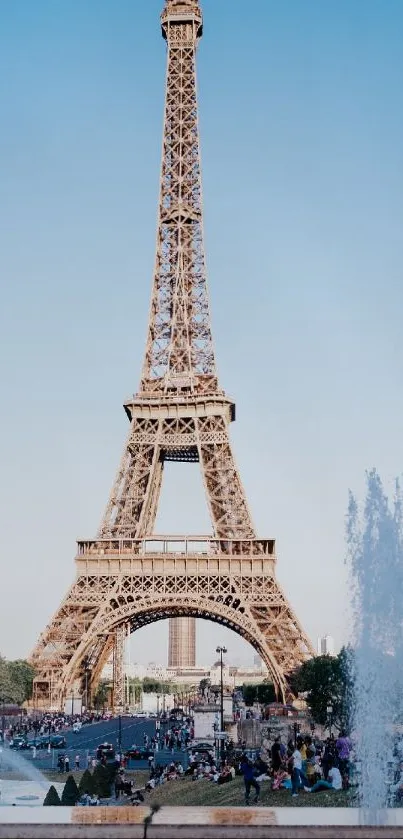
(10,759)
(375,548)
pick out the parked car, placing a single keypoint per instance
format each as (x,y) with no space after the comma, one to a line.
(57,741)
(105,750)
(201,747)
(19,743)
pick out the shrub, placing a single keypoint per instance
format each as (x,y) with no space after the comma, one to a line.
(86,784)
(52,798)
(102,781)
(70,794)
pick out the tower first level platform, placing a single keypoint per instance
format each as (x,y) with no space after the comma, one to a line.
(133,582)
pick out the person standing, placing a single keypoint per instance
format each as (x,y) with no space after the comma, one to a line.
(298,778)
(343,748)
(248,772)
(276,757)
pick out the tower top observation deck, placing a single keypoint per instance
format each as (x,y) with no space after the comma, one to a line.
(179,12)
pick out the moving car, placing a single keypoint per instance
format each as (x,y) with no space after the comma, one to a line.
(137,753)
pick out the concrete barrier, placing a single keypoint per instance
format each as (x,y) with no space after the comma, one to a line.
(194,823)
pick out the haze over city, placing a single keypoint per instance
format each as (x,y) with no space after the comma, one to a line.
(302,129)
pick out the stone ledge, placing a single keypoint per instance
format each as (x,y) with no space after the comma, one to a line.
(194,823)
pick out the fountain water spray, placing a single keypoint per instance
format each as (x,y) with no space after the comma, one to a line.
(11,759)
(375,549)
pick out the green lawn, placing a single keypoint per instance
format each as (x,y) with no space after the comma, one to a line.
(185,792)
(190,793)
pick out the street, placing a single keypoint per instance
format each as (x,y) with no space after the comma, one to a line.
(107,731)
(85,742)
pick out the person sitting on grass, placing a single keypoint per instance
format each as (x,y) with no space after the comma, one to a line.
(279,777)
(225,775)
(334,781)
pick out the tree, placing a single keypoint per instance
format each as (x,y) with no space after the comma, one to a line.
(266,693)
(86,784)
(263,693)
(6,687)
(135,689)
(22,676)
(52,798)
(102,781)
(327,680)
(70,794)
(16,679)
(151,685)
(101,695)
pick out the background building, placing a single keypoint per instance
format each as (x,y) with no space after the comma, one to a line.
(325,645)
(182,643)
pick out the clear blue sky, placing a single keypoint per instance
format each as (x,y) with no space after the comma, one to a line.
(302,142)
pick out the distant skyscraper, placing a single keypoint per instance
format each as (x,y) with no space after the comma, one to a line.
(182,643)
(326,645)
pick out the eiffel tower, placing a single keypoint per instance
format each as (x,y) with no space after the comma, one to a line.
(128,577)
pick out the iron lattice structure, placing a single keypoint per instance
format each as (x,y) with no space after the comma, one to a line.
(127,577)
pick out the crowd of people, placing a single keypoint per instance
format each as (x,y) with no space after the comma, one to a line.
(30,726)
(311,766)
(300,765)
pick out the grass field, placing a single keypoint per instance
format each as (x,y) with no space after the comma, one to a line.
(190,793)
(185,792)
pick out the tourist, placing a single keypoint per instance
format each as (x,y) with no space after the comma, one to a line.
(334,781)
(77,762)
(249,772)
(276,756)
(301,745)
(298,777)
(279,779)
(343,747)
(397,787)
(67,764)
(329,755)
(310,760)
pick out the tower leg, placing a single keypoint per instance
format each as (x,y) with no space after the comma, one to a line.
(118,670)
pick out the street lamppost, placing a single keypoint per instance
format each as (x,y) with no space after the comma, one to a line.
(120,739)
(86,674)
(221,651)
